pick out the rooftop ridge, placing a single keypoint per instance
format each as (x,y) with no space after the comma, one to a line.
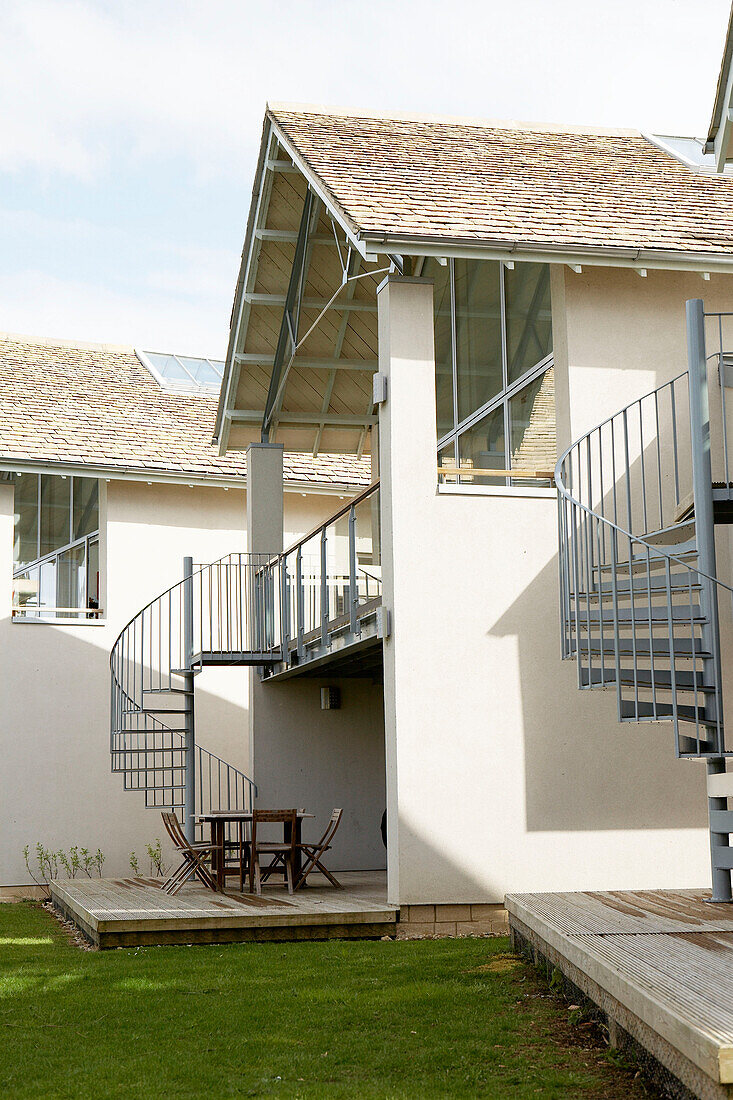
(58,342)
(454,120)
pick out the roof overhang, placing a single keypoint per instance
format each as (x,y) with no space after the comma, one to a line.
(303,343)
(303,340)
(720,131)
(103,472)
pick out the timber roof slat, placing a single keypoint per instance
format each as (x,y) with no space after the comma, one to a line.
(510,183)
(63,403)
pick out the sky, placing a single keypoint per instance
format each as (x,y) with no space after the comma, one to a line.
(129,130)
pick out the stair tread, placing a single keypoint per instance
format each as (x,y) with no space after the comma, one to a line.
(684,679)
(655,561)
(664,711)
(657,614)
(682,646)
(658,584)
(668,536)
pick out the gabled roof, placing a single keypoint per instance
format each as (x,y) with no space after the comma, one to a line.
(401,181)
(96,407)
(721,123)
(341,196)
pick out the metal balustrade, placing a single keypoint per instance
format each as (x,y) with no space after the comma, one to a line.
(639,591)
(328,580)
(263,610)
(217,613)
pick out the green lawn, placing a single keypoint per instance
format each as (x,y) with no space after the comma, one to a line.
(447,1018)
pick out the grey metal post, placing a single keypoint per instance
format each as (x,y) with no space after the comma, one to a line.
(702,488)
(353,590)
(284,611)
(299,603)
(189,737)
(324,589)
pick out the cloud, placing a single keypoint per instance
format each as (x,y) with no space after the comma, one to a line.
(93,82)
(130,129)
(34,303)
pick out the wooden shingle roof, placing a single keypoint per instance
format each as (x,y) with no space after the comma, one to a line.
(509,184)
(98,406)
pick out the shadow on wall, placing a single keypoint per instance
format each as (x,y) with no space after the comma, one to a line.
(321,759)
(56,784)
(584,770)
(425,869)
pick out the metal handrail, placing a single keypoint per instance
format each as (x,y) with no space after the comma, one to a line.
(592,478)
(312,598)
(260,608)
(373,488)
(217,608)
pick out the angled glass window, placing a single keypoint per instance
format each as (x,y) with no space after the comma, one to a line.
(55,513)
(86,507)
(528,317)
(532,425)
(483,448)
(500,378)
(183,373)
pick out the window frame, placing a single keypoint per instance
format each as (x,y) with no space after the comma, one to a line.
(508,390)
(181,385)
(36,613)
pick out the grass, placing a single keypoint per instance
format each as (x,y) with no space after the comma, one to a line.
(384,1020)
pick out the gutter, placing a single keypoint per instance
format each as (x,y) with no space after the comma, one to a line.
(167,477)
(382,242)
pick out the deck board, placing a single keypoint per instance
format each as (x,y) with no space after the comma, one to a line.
(115,911)
(665,958)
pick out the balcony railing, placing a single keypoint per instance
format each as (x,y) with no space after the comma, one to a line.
(327,582)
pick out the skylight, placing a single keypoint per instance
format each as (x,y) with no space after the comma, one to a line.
(183,373)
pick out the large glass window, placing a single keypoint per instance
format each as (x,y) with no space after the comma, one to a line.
(443,343)
(494,352)
(478,334)
(56,547)
(528,317)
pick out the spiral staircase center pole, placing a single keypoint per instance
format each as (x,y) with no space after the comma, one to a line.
(189,736)
(702,488)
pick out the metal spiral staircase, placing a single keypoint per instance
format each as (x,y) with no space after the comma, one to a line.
(639,591)
(217,615)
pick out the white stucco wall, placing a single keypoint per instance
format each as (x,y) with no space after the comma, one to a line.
(305,756)
(501,775)
(55,781)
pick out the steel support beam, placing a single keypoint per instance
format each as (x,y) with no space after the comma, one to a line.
(341,305)
(702,487)
(258,360)
(286,325)
(334,420)
(189,736)
(352,268)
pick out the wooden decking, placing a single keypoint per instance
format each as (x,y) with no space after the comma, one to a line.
(658,963)
(131,911)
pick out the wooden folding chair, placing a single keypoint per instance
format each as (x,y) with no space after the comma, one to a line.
(313,852)
(194,857)
(283,853)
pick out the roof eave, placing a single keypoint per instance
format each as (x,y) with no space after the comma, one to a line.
(381,243)
(225,393)
(165,477)
(722,87)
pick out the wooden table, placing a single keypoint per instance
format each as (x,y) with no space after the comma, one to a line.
(218,820)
